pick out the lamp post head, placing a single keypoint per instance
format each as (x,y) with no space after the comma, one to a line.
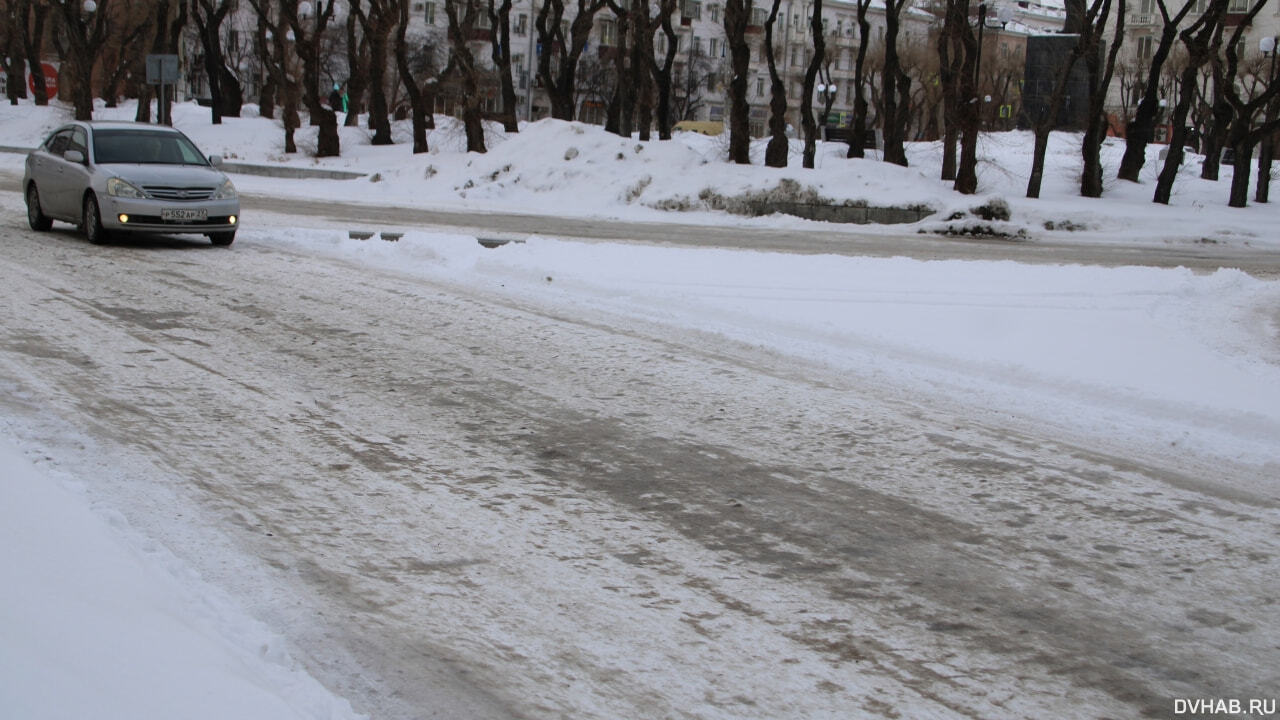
(304,9)
(1267,44)
(90,6)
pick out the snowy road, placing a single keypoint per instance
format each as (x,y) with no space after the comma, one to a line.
(457,504)
(1259,261)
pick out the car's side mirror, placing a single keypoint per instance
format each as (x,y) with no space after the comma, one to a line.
(215,160)
(74,156)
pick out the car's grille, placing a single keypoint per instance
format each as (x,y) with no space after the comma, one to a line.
(215,220)
(166,192)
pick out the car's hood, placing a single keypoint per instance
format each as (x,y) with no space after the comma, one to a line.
(164,174)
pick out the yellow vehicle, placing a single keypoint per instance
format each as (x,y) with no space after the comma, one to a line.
(703,127)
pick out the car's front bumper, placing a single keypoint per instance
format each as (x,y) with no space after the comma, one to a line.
(144,215)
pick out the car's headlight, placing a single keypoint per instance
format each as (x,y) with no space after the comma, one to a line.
(226,192)
(119,188)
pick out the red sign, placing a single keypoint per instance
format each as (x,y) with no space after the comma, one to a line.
(50,80)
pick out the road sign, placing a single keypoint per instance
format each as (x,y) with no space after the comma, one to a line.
(162,69)
(50,72)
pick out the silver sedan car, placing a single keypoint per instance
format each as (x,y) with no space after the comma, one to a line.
(128,177)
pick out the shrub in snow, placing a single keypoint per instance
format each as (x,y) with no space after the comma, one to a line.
(635,191)
(995,209)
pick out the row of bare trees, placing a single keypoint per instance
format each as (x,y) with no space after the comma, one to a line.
(295,44)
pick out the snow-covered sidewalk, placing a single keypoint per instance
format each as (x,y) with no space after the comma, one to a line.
(98,622)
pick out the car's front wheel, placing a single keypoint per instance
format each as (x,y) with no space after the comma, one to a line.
(92,222)
(35,214)
(222,238)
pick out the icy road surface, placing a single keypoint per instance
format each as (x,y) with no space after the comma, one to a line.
(460,505)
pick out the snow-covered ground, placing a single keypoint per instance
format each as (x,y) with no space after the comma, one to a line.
(1149,361)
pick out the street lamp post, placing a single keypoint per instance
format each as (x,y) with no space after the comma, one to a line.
(1268,47)
(825,93)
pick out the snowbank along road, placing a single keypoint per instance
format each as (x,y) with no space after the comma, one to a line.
(456,504)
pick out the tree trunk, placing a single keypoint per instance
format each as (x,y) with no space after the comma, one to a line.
(858,126)
(33,43)
(460,29)
(779,147)
(500,45)
(1263,193)
(810,76)
(1099,83)
(967,118)
(641,56)
(419,98)
(357,64)
(737,15)
(1240,176)
(377,31)
(662,73)
(892,81)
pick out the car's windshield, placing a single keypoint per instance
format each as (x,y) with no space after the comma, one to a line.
(144,146)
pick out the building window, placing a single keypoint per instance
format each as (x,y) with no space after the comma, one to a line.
(608,33)
(1146,47)
(759,87)
(692,10)
(715,113)
(522,24)
(713,47)
(430,15)
(1238,6)
(715,13)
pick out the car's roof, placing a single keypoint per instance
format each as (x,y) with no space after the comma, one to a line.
(122,125)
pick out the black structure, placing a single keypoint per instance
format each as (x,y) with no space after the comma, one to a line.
(1046,56)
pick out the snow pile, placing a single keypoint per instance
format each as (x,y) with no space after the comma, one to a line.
(98,623)
(573,169)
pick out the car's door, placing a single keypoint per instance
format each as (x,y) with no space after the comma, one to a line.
(74,176)
(49,172)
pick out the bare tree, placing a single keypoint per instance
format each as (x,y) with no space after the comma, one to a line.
(419,79)
(462,22)
(858,127)
(33,15)
(14,26)
(622,101)
(737,16)
(662,71)
(225,95)
(80,37)
(1099,84)
(1244,132)
(500,44)
(779,147)
(818,31)
(1044,124)
(895,86)
(958,57)
(952,54)
(1201,40)
(558,58)
(376,23)
(267,80)
(1140,131)
(641,65)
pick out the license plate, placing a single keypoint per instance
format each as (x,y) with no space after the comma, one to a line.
(184,214)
